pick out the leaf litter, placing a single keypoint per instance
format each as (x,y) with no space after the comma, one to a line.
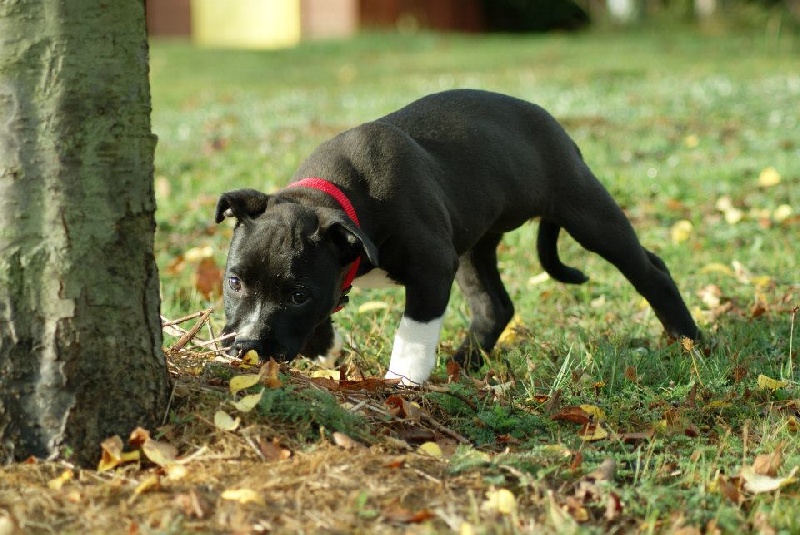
(221,464)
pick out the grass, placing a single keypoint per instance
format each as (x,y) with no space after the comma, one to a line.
(672,122)
(678,125)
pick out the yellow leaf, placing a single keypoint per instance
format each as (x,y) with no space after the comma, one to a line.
(782,213)
(160,453)
(58,482)
(430,448)
(198,253)
(240,382)
(769,177)
(681,231)
(768,383)
(248,403)
(592,432)
(372,306)
(327,374)
(251,358)
(733,216)
(112,454)
(224,421)
(510,335)
(595,412)
(758,484)
(500,501)
(539,279)
(242,496)
(152,482)
(691,141)
(716,267)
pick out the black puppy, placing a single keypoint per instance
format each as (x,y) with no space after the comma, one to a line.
(420,198)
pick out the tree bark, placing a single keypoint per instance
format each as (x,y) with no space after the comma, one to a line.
(80,336)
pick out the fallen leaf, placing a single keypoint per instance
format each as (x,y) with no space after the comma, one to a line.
(592,432)
(769,464)
(539,279)
(224,421)
(242,496)
(758,484)
(57,483)
(151,482)
(510,335)
(344,441)
(782,213)
(160,453)
(269,374)
(138,437)
(372,306)
(574,414)
(681,231)
(501,501)
(248,403)
(729,489)
(208,278)
(240,382)
(453,370)
(769,177)
(251,358)
(768,383)
(596,413)
(273,451)
(691,141)
(112,454)
(431,449)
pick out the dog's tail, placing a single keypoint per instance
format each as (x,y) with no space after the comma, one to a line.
(548,255)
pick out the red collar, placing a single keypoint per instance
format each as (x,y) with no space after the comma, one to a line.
(332,190)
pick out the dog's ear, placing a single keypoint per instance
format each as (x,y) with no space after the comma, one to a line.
(350,239)
(241,204)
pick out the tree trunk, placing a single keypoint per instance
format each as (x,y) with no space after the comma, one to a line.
(80,336)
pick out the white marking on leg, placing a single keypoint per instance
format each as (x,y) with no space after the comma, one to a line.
(414,350)
(377,278)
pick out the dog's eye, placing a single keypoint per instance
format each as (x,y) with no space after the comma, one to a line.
(299,297)
(235,284)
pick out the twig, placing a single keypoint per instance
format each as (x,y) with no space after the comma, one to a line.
(440,427)
(444,390)
(191,332)
(166,323)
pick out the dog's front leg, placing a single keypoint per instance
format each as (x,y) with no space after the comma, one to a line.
(414,351)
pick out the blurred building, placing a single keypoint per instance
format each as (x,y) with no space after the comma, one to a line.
(274,23)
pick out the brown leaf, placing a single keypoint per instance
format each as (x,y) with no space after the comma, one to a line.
(631,375)
(269,374)
(273,451)
(574,414)
(613,506)
(160,453)
(729,489)
(138,437)
(770,463)
(453,370)
(208,278)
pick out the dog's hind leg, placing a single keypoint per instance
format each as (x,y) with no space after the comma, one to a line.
(489,303)
(595,220)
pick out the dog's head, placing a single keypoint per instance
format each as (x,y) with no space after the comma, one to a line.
(285,269)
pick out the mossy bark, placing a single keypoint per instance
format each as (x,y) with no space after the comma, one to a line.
(80,336)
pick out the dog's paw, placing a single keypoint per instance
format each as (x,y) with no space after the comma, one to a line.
(414,351)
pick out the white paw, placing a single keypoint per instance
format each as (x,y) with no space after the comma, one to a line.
(414,350)
(328,360)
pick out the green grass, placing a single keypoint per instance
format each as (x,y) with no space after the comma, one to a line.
(671,122)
